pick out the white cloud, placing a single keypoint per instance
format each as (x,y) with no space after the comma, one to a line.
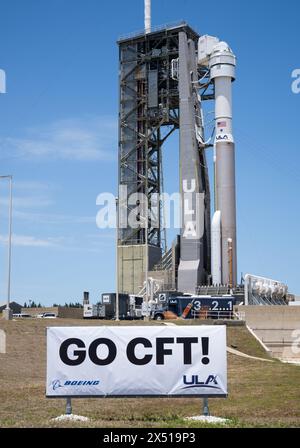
(87,243)
(28,194)
(28,185)
(88,139)
(52,218)
(28,202)
(31,241)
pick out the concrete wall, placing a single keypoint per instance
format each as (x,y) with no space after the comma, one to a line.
(61,311)
(35,311)
(70,313)
(132,264)
(276,327)
(275,317)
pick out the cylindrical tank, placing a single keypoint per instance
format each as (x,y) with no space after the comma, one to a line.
(222,68)
(216,254)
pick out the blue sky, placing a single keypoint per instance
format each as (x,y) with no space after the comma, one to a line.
(58,135)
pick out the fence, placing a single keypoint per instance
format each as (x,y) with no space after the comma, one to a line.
(206,313)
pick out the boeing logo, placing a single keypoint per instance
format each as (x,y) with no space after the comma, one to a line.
(56,384)
(194,381)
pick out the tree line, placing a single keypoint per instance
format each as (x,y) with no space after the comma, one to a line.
(33,304)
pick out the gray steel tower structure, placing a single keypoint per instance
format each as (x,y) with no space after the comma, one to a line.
(159,93)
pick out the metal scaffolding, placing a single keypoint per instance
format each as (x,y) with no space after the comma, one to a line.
(148,115)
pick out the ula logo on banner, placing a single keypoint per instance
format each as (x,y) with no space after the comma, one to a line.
(194,381)
(2,81)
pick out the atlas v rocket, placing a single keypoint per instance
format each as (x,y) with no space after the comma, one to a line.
(219,60)
(164,76)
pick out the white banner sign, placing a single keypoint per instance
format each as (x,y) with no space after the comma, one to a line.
(136,361)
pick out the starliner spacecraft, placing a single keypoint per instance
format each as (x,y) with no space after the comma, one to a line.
(166,76)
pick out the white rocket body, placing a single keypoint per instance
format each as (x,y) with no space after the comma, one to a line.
(220,60)
(222,71)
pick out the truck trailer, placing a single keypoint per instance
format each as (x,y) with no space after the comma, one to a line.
(130,307)
(194,307)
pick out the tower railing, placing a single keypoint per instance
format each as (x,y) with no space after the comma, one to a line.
(154,29)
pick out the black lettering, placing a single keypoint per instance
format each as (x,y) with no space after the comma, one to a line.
(63,352)
(112,352)
(187,348)
(131,351)
(161,351)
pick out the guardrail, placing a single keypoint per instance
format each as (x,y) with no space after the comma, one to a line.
(217,315)
(154,29)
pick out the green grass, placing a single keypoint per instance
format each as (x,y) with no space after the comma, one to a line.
(260,394)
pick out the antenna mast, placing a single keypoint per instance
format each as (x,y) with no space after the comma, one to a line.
(147,16)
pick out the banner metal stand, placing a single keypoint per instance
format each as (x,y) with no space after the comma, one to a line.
(69,406)
(206,412)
